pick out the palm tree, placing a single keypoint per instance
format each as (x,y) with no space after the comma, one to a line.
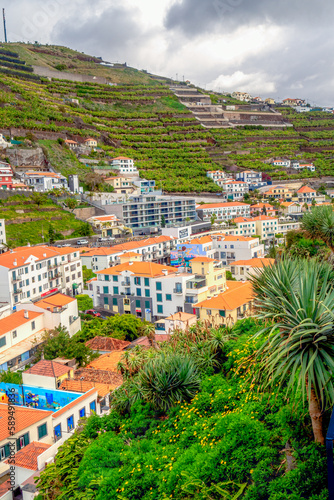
(296,299)
(318,223)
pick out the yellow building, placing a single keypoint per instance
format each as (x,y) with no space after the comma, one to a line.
(279,193)
(227,307)
(120,184)
(269,100)
(92,143)
(109,225)
(209,279)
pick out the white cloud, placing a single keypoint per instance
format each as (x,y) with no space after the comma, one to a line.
(254,83)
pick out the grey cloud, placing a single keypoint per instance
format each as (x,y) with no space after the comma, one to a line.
(195,17)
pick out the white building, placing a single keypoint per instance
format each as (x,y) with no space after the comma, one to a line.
(3,239)
(223,211)
(147,290)
(3,143)
(263,226)
(44,181)
(216,174)
(242,269)
(241,96)
(155,249)
(29,273)
(296,165)
(249,176)
(281,163)
(234,190)
(124,165)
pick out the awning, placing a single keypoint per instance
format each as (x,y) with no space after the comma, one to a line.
(75,286)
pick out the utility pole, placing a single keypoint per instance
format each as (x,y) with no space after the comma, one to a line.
(4,24)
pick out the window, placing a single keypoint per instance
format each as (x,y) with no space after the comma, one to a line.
(137,281)
(26,270)
(2,341)
(57,431)
(115,278)
(70,423)
(106,277)
(138,292)
(40,289)
(147,304)
(158,285)
(105,289)
(115,290)
(168,296)
(27,282)
(39,277)
(92,406)
(179,309)
(22,441)
(28,294)
(208,312)
(114,301)
(222,313)
(14,334)
(82,412)
(159,297)
(42,431)
(138,303)
(105,300)
(160,309)
(146,282)
(4,452)
(147,293)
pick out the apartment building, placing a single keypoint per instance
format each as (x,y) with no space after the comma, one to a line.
(290,207)
(279,193)
(216,174)
(144,186)
(21,331)
(223,211)
(120,184)
(124,165)
(285,227)
(236,302)
(306,195)
(145,289)
(153,211)
(109,225)
(241,270)
(6,176)
(44,181)
(234,190)
(29,273)
(263,209)
(156,249)
(249,176)
(264,226)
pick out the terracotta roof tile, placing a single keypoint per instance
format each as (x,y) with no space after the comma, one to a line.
(107,344)
(256,262)
(306,189)
(16,319)
(202,259)
(107,361)
(138,268)
(85,386)
(221,205)
(55,301)
(24,418)
(48,368)
(99,376)
(27,457)
(236,294)
(19,256)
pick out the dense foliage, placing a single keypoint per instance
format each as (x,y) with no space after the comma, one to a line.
(230,438)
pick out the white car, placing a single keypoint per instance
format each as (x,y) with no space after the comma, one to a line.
(82,242)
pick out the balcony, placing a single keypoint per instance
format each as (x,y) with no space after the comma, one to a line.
(125,283)
(196,283)
(18,290)
(178,291)
(14,280)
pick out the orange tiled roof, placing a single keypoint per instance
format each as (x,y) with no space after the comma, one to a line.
(264,217)
(20,255)
(201,240)
(181,316)
(27,457)
(121,158)
(85,386)
(138,268)
(236,294)
(99,377)
(47,368)
(202,259)
(256,262)
(130,254)
(243,219)
(106,344)
(74,403)
(55,301)
(263,205)
(15,320)
(306,189)
(24,418)
(107,361)
(105,218)
(231,237)
(130,245)
(221,205)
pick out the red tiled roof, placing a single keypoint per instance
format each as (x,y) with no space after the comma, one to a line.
(24,418)
(27,457)
(106,344)
(236,294)
(47,368)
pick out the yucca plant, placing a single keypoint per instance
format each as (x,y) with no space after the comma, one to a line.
(319,224)
(296,299)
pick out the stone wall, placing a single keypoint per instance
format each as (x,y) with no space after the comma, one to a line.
(86,213)
(26,157)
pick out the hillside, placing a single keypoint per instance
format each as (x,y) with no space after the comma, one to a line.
(141,118)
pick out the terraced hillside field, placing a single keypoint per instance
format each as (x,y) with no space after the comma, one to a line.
(310,140)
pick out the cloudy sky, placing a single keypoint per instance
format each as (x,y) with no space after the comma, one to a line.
(278,48)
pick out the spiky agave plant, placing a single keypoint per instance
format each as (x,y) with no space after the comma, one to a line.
(319,224)
(167,379)
(296,298)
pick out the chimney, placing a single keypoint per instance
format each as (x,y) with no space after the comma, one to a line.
(165,272)
(26,314)
(130,263)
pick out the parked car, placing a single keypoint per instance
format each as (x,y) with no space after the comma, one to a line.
(94,313)
(82,242)
(103,239)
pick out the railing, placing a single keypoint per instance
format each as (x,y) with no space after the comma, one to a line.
(178,290)
(17,291)
(196,284)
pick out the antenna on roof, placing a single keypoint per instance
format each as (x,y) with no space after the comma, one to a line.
(4,24)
